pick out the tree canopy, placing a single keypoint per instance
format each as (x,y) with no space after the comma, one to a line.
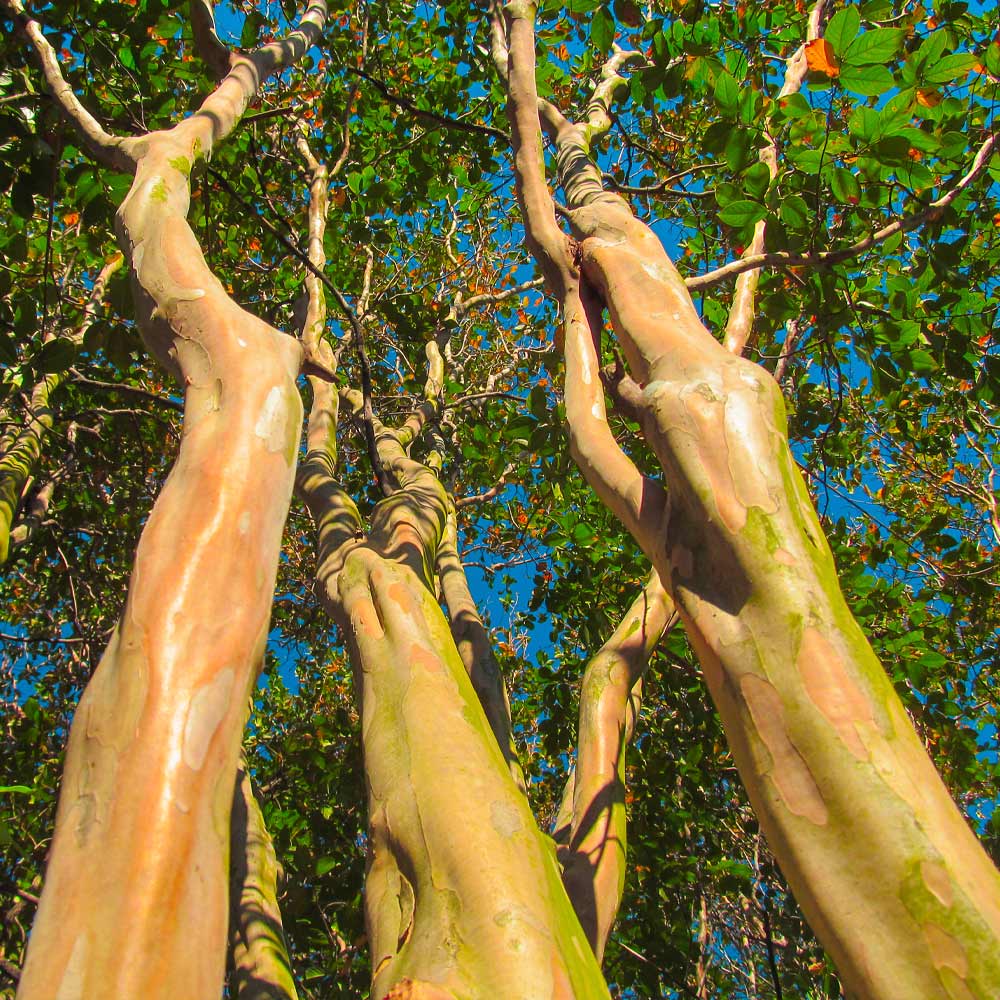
(825,180)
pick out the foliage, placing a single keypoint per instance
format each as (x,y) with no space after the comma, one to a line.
(889,357)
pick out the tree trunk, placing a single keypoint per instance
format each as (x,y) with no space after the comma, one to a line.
(886,869)
(136,898)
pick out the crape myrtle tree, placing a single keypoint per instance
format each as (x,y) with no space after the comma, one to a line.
(323,210)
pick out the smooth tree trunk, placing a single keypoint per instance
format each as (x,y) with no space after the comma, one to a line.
(261,969)
(591,828)
(885,867)
(463,895)
(136,898)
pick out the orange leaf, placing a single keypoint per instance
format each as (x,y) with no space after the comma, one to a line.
(820,58)
(928,97)
(71,218)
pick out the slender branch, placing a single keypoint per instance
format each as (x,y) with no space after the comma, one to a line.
(463,306)
(739,325)
(260,965)
(486,495)
(368,410)
(213,51)
(594,856)
(474,646)
(547,242)
(106,148)
(826,258)
(132,390)
(442,120)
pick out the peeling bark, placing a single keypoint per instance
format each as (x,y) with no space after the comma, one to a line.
(886,869)
(139,864)
(458,872)
(593,857)
(260,965)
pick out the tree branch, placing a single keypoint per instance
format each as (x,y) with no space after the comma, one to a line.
(105,148)
(739,325)
(441,120)
(214,53)
(594,856)
(547,242)
(826,258)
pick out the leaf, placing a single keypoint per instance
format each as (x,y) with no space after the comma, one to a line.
(795,212)
(324,865)
(756,180)
(742,213)
(820,58)
(878,46)
(727,92)
(869,81)
(602,30)
(842,30)
(22,198)
(16,789)
(55,356)
(951,68)
(845,186)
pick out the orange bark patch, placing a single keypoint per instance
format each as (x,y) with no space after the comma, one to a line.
(713,452)
(421,656)
(938,881)
(789,772)
(399,593)
(785,558)
(562,987)
(833,691)
(946,952)
(365,620)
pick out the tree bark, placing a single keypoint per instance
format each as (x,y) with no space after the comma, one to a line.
(594,852)
(886,869)
(18,460)
(260,966)
(136,895)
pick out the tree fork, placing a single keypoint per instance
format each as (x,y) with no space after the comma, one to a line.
(139,866)
(889,874)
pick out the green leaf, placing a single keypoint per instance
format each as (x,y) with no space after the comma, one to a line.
(878,46)
(756,180)
(602,30)
(930,49)
(870,81)
(15,789)
(843,29)
(993,58)
(55,356)
(950,68)
(324,865)
(795,212)
(727,92)
(845,186)
(742,213)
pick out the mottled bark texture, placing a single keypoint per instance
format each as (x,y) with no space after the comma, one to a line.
(260,966)
(463,896)
(591,829)
(136,898)
(884,865)
(21,451)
